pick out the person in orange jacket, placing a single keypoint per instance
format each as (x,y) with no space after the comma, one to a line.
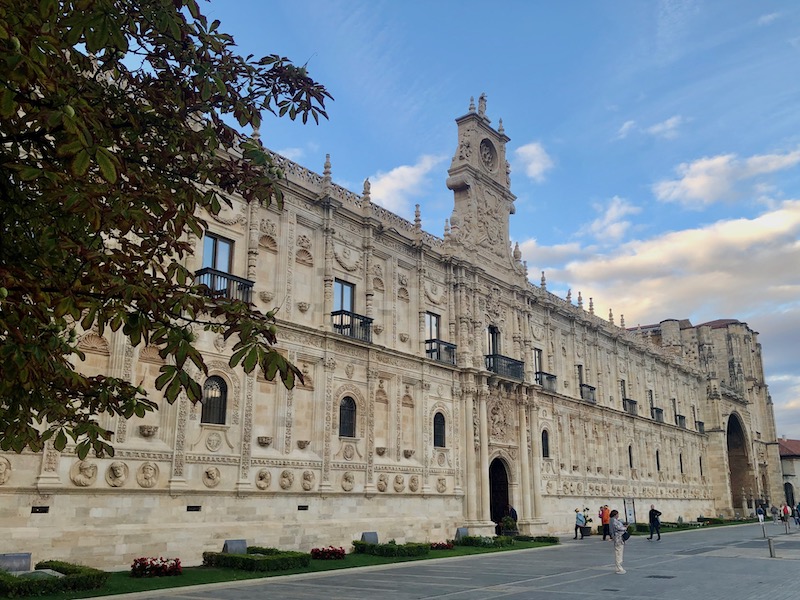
(605,519)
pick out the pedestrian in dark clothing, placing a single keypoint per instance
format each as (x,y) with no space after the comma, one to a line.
(510,512)
(655,523)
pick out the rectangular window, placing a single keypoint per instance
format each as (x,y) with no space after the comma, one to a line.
(493,340)
(650,399)
(343,294)
(217,253)
(622,389)
(580,375)
(432,326)
(538,367)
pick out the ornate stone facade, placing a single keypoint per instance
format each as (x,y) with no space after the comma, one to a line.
(440,385)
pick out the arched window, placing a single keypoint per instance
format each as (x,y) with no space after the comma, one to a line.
(630,456)
(680,460)
(545,444)
(347,417)
(438,430)
(215,401)
(701,466)
(658,461)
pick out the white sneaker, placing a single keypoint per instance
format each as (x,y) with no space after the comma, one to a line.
(621,572)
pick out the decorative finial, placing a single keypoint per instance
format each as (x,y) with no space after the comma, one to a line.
(610,316)
(517,252)
(544,281)
(569,295)
(447,227)
(591,306)
(580,300)
(482,105)
(622,321)
(472,104)
(500,128)
(367,188)
(417,219)
(326,171)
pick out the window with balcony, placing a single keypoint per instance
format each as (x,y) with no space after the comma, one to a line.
(496,362)
(546,380)
(215,401)
(680,421)
(629,406)
(657,414)
(438,430)
(588,393)
(347,417)
(701,427)
(435,348)
(215,273)
(344,320)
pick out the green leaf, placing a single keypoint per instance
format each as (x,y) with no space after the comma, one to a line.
(106,164)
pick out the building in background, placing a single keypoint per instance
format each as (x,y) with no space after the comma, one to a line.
(440,386)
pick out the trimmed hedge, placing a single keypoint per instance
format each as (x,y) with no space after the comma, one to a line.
(76,578)
(391,549)
(497,541)
(543,539)
(258,561)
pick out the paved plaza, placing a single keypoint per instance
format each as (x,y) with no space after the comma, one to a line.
(724,563)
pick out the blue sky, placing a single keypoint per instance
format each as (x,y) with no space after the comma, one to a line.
(655,145)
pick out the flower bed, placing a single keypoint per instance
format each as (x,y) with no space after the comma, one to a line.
(441,545)
(329,553)
(156,567)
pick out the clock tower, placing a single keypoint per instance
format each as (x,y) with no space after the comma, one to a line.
(479,176)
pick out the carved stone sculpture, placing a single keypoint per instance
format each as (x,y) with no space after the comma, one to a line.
(263,479)
(117,474)
(211,477)
(147,476)
(84,473)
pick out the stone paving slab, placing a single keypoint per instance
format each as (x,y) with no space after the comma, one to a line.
(725,563)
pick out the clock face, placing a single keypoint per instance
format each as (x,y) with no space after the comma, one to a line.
(488,155)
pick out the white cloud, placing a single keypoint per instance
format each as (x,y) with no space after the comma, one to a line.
(667,129)
(394,190)
(626,128)
(535,160)
(768,18)
(611,226)
(711,179)
(294,154)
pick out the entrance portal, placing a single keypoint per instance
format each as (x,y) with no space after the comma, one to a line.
(741,473)
(498,486)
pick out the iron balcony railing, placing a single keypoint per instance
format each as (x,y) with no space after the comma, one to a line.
(546,380)
(352,325)
(701,427)
(629,406)
(505,366)
(657,414)
(224,285)
(680,421)
(441,351)
(588,393)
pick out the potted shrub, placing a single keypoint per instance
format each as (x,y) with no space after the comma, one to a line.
(586,529)
(508,526)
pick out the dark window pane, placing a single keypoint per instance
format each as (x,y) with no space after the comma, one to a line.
(438,431)
(215,401)
(347,417)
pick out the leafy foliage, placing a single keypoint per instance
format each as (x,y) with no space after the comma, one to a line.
(114,145)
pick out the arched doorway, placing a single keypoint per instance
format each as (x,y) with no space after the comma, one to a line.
(498,489)
(741,474)
(788,490)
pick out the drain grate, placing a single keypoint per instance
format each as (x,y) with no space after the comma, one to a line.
(660,577)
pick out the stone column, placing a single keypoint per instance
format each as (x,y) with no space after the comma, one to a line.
(471,484)
(483,480)
(524,451)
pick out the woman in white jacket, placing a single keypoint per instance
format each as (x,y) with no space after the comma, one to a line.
(617,528)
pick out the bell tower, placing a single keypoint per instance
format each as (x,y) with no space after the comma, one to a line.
(479,176)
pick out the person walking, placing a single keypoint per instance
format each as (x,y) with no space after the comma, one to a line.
(773,510)
(617,530)
(605,519)
(760,513)
(655,523)
(580,521)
